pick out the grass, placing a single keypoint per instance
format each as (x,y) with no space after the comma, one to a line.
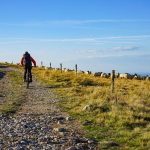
(14,97)
(122,117)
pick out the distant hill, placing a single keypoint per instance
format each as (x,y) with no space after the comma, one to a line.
(144,73)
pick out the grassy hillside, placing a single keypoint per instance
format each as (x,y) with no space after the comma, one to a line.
(122,118)
(118,121)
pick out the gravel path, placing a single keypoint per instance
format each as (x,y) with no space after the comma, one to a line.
(40,125)
(39,100)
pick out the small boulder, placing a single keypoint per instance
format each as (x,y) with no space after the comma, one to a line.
(87,108)
(71,148)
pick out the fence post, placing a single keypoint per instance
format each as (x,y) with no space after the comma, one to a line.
(112,81)
(61,67)
(76,68)
(50,65)
(41,63)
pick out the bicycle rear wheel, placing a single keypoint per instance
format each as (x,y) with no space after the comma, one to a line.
(28,80)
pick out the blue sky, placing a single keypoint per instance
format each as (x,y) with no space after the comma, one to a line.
(98,35)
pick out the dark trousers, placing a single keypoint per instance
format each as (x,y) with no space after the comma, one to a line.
(27,69)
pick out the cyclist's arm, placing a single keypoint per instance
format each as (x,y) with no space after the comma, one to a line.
(21,61)
(33,61)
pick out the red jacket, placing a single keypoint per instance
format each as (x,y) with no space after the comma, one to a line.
(32,60)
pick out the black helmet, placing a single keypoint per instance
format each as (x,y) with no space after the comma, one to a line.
(26,52)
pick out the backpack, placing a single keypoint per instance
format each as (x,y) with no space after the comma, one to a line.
(27,59)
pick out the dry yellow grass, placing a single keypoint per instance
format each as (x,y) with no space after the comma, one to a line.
(123,117)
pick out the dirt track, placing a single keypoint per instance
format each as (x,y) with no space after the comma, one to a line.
(39,123)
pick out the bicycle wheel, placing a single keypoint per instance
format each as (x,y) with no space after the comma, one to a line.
(28,81)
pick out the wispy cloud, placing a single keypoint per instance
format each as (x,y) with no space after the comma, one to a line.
(128,37)
(84,39)
(89,57)
(125,48)
(109,52)
(48,40)
(74,22)
(93,21)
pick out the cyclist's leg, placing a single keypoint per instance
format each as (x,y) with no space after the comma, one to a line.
(25,72)
(30,73)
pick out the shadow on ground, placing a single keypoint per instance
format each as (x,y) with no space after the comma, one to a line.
(3,66)
(2,74)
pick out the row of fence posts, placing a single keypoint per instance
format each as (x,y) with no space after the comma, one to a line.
(61,67)
(76,70)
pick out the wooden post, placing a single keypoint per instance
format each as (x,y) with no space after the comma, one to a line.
(41,63)
(112,81)
(61,67)
(50,65)
(76,68)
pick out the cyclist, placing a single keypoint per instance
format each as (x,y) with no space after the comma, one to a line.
(27,61)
